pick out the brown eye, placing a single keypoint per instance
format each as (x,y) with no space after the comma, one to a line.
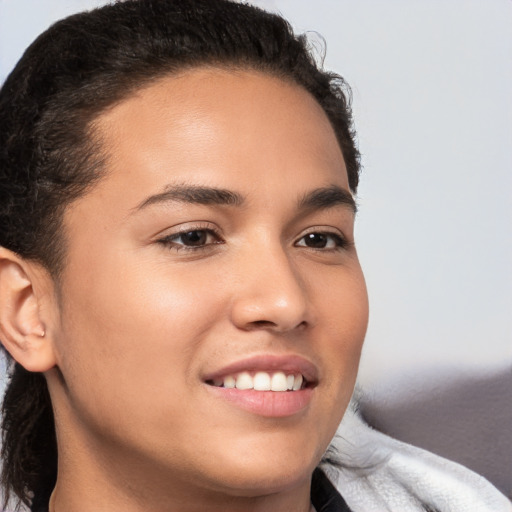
(191,239)
(194,238)
(322,241)
(315,240)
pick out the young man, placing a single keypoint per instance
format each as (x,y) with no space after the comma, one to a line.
(180,289)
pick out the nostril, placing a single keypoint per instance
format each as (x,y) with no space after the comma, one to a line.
(265,307)
(263,323)
(260,324)
(267,324)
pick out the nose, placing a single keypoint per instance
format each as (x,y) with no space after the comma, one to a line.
(270,293)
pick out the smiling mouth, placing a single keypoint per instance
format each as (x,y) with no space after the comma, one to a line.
(261,381)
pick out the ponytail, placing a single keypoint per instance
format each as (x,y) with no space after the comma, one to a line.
(29,447)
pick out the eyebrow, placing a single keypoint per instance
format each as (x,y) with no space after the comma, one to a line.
(318,199)
(194,194)
(328,197)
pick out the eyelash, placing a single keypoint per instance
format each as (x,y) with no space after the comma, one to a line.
(169,241)
(340,242)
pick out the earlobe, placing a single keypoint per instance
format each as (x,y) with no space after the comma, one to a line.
(23,331)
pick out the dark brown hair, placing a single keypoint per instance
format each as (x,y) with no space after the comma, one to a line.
(49,157)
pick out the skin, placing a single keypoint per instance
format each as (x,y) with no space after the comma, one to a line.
(140,319)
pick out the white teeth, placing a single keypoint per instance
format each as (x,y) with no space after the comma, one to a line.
(229,382)
(244,381)
(278,382)
(261,381)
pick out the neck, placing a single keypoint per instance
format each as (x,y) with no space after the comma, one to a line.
(65,499)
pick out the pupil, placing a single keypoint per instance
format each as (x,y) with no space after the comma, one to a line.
(194,237)
(316,240)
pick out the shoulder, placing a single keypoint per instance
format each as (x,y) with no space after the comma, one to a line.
(375,472)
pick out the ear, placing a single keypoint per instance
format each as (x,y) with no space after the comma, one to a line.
(25,301)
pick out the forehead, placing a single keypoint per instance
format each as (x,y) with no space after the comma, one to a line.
(206,108)
(242,130)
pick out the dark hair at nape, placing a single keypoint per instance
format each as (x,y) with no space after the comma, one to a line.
(49,155)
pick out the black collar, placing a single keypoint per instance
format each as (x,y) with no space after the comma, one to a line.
(324,496)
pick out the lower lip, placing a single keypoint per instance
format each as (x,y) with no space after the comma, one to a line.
(271,404)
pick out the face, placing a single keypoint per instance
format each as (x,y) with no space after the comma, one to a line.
(217,251)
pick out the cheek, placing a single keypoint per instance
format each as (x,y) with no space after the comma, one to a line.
(341,305)
(132,303)
(131,335)
(344,319)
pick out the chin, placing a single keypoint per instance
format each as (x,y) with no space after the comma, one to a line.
(267,470)
(265,482)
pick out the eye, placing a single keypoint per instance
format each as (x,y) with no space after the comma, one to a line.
(318,240)
(191,239)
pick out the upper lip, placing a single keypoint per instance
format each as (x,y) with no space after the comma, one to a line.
(291,364)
